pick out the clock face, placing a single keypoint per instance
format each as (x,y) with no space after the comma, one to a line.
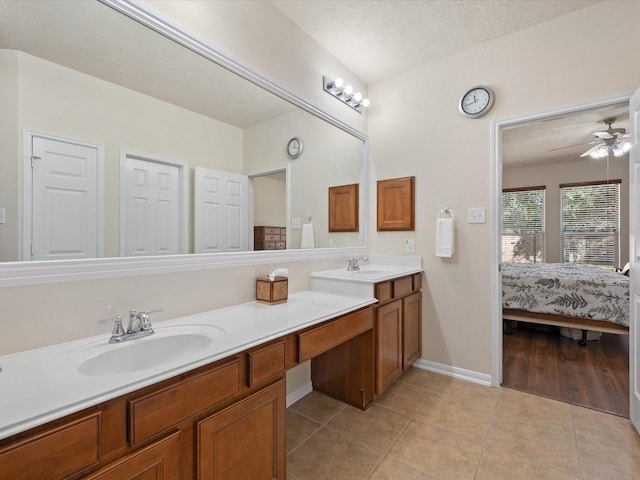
(476,102)
(294,147)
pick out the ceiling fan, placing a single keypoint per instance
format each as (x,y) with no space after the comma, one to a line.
(615,140)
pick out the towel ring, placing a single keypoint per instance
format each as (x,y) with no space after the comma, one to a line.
(446,213)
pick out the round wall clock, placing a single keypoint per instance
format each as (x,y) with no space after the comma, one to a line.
(294,147)
(476,102)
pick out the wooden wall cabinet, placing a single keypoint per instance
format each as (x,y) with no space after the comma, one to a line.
(344,209)
(396,204)
(398,328)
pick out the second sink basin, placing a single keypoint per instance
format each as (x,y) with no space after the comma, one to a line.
(167,344)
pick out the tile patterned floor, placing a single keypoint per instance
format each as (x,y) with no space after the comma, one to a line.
(434,427)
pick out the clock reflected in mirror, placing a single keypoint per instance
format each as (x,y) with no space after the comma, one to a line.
(294,147)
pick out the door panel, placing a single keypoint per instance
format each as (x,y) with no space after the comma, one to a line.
(65,206)
(153,210)
(221,211)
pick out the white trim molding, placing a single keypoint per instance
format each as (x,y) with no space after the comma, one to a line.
(456,372)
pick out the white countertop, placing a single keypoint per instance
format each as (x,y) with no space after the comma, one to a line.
(41,385)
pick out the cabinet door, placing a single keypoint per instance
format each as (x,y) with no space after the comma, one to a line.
(388,344)
(246,440)
(158,461)
(412,329)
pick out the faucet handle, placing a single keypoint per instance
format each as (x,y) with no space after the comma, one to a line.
(146,320)
(118,331)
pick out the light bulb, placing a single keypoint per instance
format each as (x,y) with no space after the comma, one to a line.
(348,89)
(365,102)
(357,97)
(338,82)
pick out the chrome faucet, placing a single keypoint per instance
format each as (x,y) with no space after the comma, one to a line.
(139,326)
(352,264)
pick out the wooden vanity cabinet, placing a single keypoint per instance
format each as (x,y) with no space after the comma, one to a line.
(398,328)
(342,353)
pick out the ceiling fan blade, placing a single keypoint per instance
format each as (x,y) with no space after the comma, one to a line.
(592,149)
(574,145)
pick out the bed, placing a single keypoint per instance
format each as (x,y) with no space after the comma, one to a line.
(568,295)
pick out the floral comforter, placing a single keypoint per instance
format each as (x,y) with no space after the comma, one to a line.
(566,289)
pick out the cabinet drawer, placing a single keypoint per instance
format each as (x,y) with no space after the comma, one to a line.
(402,286)
(159,411)
(272,231)
(266,362)
(281,245)
(324,338)
(272,238)
(269,245)
(383,291)
(417,281)
(54,454)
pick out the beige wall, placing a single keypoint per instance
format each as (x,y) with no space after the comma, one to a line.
(415,129)
(270,201)
(583,170)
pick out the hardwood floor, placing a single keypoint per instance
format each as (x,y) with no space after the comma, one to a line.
(550,365)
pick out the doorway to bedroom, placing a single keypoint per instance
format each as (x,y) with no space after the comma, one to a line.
(562,208)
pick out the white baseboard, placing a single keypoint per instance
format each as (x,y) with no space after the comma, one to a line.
(297,394)
(461,373)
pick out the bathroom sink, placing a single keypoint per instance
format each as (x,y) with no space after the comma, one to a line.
(369,271)
(166,345)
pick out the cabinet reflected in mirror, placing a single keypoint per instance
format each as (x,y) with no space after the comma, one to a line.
(87,74)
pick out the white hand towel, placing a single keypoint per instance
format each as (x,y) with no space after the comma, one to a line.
(444,237)
(307,236)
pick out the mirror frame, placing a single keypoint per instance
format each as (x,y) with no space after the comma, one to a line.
(54,271)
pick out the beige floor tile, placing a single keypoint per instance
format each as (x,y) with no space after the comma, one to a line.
(331,455)
(393,469)
(467,391)
(509,465)
(602,461)
(403,398)
(463,416)
(376,427)
(607,428)
(438,451)
(538,441)
(421,378)
(299,428)
(317,406)
(518,406)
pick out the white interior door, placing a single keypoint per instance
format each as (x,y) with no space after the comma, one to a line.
(153,211)
(220,211)
(66,200)
(634,255)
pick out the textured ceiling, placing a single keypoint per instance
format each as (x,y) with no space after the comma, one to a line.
(376,39)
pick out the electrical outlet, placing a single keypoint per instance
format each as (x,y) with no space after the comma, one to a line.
(410,246)
(477,215)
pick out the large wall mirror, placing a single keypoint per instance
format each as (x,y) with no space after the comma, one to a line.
(153,145)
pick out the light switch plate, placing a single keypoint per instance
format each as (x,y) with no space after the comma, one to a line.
(410,246)
(295,223)
(477,215)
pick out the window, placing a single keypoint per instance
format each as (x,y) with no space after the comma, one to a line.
(523,224)
(590,223)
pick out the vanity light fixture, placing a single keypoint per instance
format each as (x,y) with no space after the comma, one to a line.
(337,89)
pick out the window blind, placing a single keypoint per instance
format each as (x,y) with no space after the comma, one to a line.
(523,224)
(590,223)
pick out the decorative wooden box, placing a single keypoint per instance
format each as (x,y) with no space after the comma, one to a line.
(272,292)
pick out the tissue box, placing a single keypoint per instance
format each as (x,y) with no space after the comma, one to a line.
(272,292)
